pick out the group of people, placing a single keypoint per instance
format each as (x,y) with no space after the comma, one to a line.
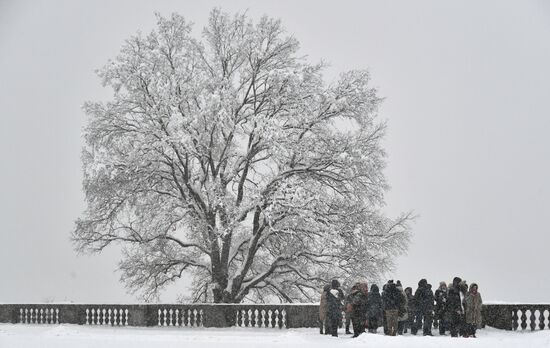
(455,308)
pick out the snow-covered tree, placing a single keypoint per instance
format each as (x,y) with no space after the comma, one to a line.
(230,158)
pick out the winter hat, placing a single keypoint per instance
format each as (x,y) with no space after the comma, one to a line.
(398,283)
(442,284)
(335,284)
(422,283)
(456,281)
(374,288)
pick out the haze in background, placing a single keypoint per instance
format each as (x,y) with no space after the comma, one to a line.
(467,87)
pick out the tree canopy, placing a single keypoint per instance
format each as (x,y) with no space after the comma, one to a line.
(228,157)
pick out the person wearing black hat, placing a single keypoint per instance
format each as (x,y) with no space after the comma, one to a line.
(374,309)
(392,302)
(454,307)
(425,305)
(335,296)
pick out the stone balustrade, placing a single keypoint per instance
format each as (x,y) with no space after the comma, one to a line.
(501,316)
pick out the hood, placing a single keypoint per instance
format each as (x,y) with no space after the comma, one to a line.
(456,281)
(335,284)
(374,288)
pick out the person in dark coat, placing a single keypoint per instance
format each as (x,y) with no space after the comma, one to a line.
(347,309)
(323,310)
(384,323)
(463,327)
(403,314)
(392,302)
(425,305)
(454,307)
(411,305)
(440,305)
(335,296)
(358,314)
(374,309)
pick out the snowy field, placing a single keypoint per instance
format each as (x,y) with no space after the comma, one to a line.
(74,336)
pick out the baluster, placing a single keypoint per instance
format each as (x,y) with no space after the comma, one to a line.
(523,319)
(164,317)
(264,314)
(541,318)
(21,315)
(104,316)
(269,317)
(51,316)
(249,318)
(109,312)
(195,318)
(532,318)
(515,319)
(189,317)
(87,313)
(256,318)
(277,318)
(118,314)
(57,315)
(243,318)
(237,317)
(159,314)
(170,321)
(283,318)
(201,313)
(184,317)
(26,316)
(41,316)
(127,315)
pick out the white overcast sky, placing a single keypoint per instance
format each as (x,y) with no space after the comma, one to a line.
(467,87)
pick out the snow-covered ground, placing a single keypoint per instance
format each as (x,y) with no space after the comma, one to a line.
(74,336)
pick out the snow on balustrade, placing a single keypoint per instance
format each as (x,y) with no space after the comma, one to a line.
(39,315)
